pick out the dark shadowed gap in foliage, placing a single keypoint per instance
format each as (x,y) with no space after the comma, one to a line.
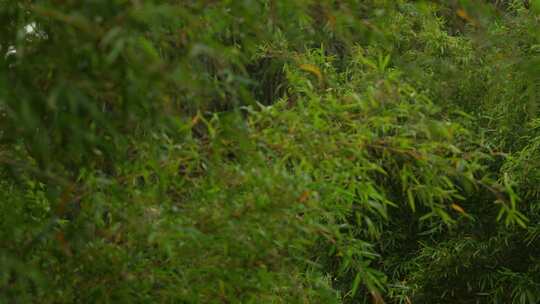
(270,83)
(457,21)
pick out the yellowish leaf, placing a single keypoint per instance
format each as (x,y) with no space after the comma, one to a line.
(310,68)
(304,197)
(377,298)
(458,208)
(465,16)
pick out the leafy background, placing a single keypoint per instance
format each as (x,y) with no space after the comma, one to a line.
(269,151)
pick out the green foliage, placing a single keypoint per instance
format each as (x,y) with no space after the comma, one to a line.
(269,151)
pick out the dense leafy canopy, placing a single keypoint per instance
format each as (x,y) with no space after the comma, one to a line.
(374,151)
